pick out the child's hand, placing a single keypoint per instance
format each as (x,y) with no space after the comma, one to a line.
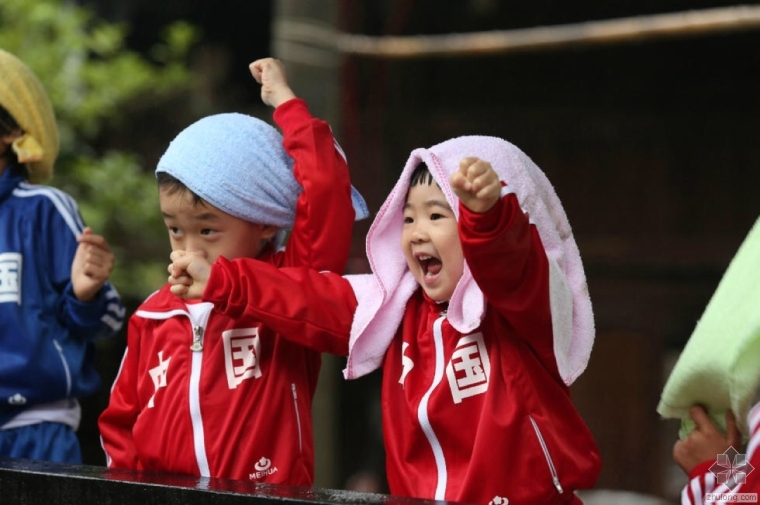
(91,266)
(476,184)
(188,274)
(270,73)
(706,441)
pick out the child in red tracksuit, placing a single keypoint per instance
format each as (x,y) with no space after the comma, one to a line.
(202,393)
(477,311)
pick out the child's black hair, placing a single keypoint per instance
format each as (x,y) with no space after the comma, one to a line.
(421,175)
(8,125)
(173,185)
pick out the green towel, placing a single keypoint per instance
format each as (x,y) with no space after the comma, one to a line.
(720,364)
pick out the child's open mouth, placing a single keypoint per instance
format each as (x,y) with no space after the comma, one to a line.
(431,266)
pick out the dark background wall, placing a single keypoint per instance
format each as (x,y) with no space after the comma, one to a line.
(651,145)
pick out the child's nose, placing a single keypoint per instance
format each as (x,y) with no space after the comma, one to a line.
(419,234)
(195,247)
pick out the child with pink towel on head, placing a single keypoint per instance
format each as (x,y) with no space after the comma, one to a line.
(478,312)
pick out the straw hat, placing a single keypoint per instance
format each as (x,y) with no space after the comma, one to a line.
(24,97)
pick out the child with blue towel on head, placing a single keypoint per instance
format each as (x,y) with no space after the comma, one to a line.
(201,393)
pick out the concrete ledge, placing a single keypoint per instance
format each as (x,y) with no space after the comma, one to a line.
(27,482)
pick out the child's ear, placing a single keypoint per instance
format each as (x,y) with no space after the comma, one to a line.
(9,138)
(268,231)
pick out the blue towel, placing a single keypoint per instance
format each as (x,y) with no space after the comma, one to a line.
(237,163)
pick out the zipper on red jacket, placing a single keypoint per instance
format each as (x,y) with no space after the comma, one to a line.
(552,469)
(197,345)
(199,315)
(298,416)
(199,438)
(422,415)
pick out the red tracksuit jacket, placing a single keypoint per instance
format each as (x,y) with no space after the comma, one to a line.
(205,394)
(479,417)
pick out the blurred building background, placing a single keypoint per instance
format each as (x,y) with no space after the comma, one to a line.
(650,141)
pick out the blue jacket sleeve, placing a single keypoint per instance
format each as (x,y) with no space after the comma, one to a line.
(101,317)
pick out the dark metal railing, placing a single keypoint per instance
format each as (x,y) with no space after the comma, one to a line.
(27,482)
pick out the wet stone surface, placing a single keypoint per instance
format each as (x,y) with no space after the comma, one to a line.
(27,482)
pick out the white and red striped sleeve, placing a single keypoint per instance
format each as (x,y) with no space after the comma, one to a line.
(703,482)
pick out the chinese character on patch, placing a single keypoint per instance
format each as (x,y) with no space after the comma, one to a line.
(241,355)
(469,368)
(158,376)
(10,277)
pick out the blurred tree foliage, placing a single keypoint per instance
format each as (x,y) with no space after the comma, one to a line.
(104,95)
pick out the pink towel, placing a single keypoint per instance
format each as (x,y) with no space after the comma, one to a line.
(382,295)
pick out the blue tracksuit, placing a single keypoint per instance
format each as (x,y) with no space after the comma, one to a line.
(46,335)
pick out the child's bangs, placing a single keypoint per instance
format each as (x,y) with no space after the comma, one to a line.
(421,175)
